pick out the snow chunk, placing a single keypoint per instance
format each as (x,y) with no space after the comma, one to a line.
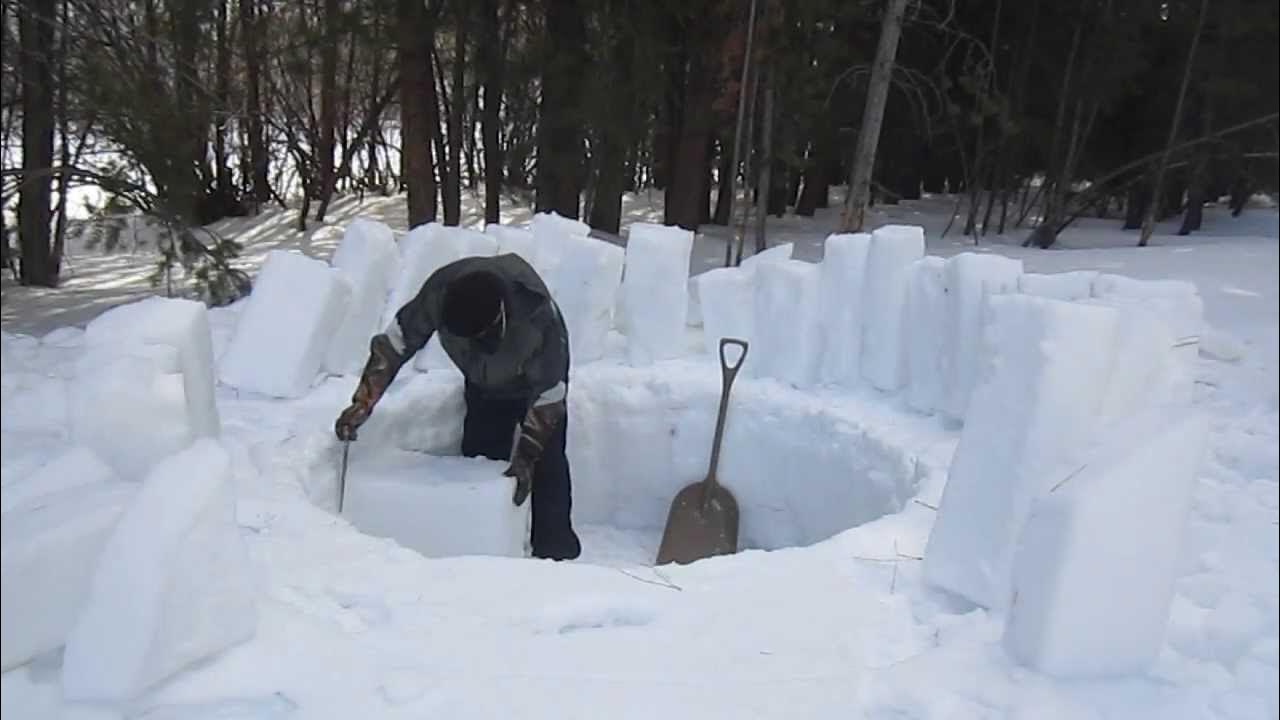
(844,272)
(51,545)
(172,587)
(438,506)
(284,331)
(368,258)
(515,240)
(727,300)
(777,253)
(656,291)
(1075,285)
(78,467)
(1035,403)
(926,333)
(788,337)
(884,357)
(1144,365)
(971,278)
(1080,537)
(549,230)
(586,290)
(181,324)
(1175,303)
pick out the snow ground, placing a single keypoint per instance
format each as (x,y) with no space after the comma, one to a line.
(350,625)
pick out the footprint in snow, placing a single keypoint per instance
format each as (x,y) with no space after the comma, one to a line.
(594,614)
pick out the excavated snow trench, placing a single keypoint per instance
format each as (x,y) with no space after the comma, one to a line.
(803,465)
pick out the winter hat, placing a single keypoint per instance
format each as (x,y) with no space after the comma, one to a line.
(472,302)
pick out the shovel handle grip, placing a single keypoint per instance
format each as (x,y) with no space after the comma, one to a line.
(729,372)
(726,367)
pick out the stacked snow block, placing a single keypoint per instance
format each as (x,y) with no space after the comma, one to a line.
(726,300)
(884,350)
(788,332)
(173,584)
(421,412)
(586,290)
(844,273)
(368,259)
(1071,286)
(1091,596)
(283,333)
(515,241)
(777,253)
(971,278)
(51,544)
(549,230)
(180,324)
(448,244)
(128,404)
(1035,404)
(1174,303)
(926,334)
(77,467)
(655,288)
(438,506)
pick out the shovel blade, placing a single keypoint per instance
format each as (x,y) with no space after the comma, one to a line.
(695,531)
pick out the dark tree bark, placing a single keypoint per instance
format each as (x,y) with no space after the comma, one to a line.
(417,109)
(560,111)
(36,40)
(686,203)
(616,132)
(492,50)
(453,177)
(258,158)
(222,62)
(328,105)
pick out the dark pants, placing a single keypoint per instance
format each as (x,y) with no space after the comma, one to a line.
(489,430)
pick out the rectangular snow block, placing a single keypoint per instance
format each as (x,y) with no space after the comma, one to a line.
(514,240)
(788,331)
(369,259)
(777,253)
(420,412)
(425,249)
(926,332)
(549,231)
(1074,285)
(181,324)
(1036,402)
(283,333)
(77,467)
(893,248)
(727,299)
(1145,367)
(586,283)
(438,506)
(173,585)
(1094,573)
(971,278)
(1178,305)
(51,546)
(844,275)
(656,290)
(128,404)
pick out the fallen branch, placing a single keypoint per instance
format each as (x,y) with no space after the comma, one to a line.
(664,583)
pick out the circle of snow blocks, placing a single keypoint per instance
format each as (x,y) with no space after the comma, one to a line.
(1074,285)
(438,506)
(283,333)
(926,330)
(1091,597)
(727,299)
(893,248)
(844,273)
(173,584)
(656,291)
(368,258)
(77,467)
(129,405)
(181,324)
(586,289)
(51,544)
(788,331)
(971,278)
(1045,365)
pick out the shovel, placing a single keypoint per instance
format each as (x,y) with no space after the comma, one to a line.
(342,475)
(703,520)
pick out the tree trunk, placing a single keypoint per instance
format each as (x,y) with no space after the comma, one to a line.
(453,179)
(328,105)
(766,160)
(685,204)
(616,131)
(729,173)
(492,67)
(560,111)
(869,134)
(1149,222)
(36,39)
(417,100)
(258,158)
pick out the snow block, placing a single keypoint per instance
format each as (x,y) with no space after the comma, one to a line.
(1075,285)
(1175,303)
(549,232)
(172,587)
(727,300)
(515,240)
(51,545)
(788,331)
(368,258)
(283,333)
(655,285)
(884,354)
(77,467)
(420,412)
(1145,368)
(1036,403)
(128,404)
(438,506)
(971,278)
(586,283)
(844,273)
(1080,537)
(777,253)
(926,333)
(181,324)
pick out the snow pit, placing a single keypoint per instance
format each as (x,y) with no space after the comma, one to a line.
(586,290)
(844,272)
(51,544)
(884,354)
(284,331)
(655,288)
(172,586)
(438,506)
(788,333)
(971,278)
(368,258)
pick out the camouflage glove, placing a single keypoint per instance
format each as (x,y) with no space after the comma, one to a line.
(533,434)
(380,369)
